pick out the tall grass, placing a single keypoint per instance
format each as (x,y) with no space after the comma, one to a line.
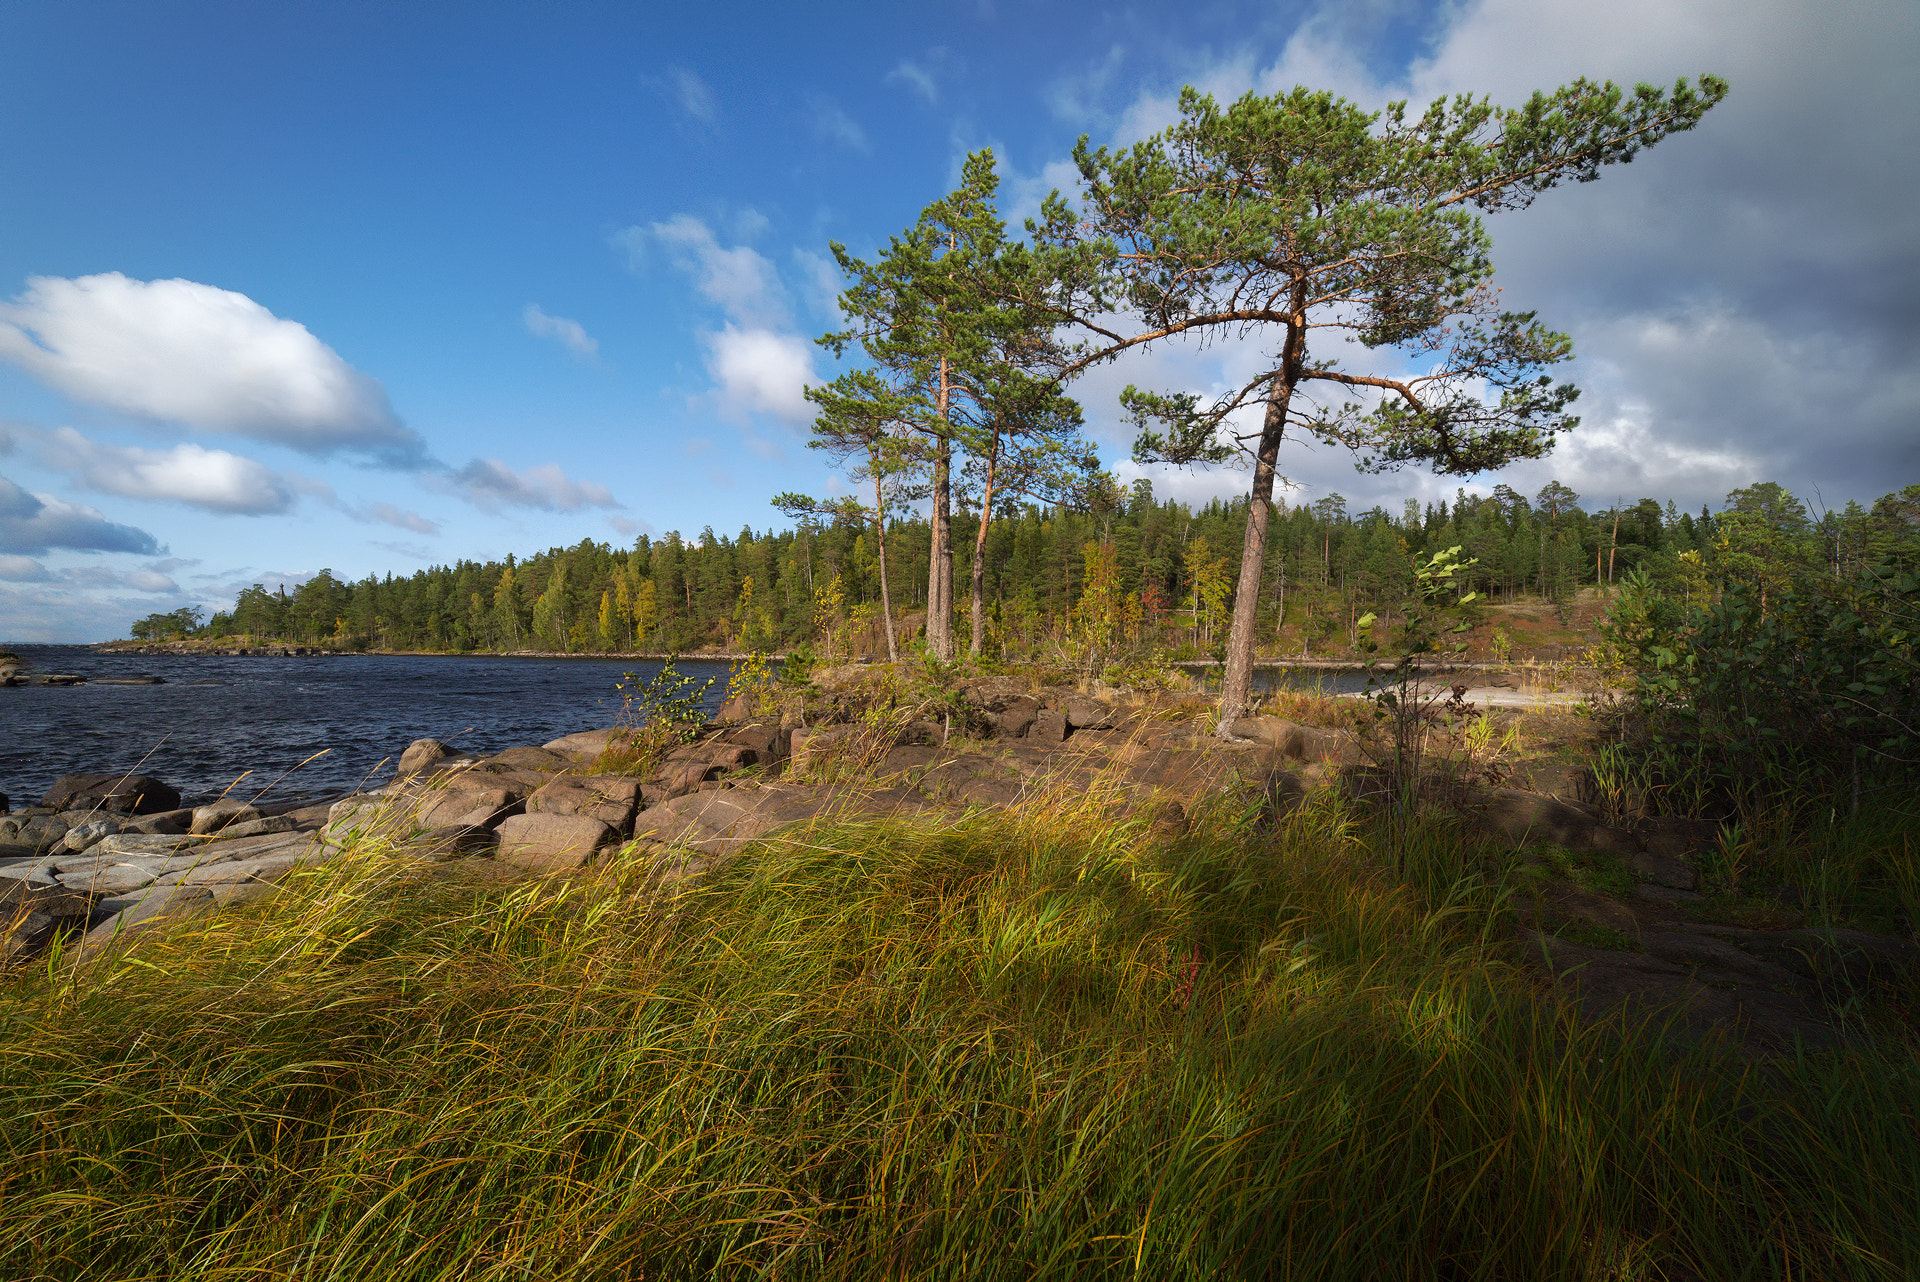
(1040,1043)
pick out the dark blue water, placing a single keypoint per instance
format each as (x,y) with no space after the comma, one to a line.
(218,716)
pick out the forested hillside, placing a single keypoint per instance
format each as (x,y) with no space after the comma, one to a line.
(1131,569)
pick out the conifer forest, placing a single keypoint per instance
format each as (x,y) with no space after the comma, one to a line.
(1146,573)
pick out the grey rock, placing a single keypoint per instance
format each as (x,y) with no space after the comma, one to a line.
(261,827)
(30,872)
(81,836)
(481,807)
(1688,949)
(216,815)
(767,741)
(1016,717)
(39,832)
(612,799)
(159,904)
(720,822)
(588,744)
(420,754)
(310,817)
(121,794)
(525,760)
(552,843)
(26,933)
(166,823)
(18,895)
(1084,712)
(113,879)
(1049,726)
(262,846)
(138,844)
(365,816)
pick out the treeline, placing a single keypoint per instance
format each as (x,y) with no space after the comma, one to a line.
(1162,574)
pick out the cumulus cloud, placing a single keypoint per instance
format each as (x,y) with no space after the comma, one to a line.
(741,280)
(490,483)
(760,371)
(213,360)
(33,524)
(631,527)
(568,333)
(211,479)
(757,362)
(23,569)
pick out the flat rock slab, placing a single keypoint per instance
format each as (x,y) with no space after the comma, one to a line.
(720,822)
(260,847)
(588,744)
(140,844)
(542,843)
(158,904)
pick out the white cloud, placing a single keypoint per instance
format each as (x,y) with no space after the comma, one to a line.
(23,569)
(400,518)
(631,527)
(568,333)
(741,280)
(187,473)
(211,359)
(101,576)
(830,121)
(692,94)
(760,371)
(35,523)
(490,483)
(917,78)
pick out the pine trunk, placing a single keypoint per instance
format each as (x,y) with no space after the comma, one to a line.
(1236,687)
(886,597)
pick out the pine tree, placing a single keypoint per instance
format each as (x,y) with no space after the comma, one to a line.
(1300,213)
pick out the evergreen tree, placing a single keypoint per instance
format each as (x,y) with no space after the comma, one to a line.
(1292,214)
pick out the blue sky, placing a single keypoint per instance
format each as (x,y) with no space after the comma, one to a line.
(373,287)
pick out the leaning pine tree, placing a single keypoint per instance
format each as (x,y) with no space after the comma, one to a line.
(1300,218)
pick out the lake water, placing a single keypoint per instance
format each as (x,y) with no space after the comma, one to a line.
(218,716)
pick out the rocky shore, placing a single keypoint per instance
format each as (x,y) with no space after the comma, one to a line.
(103,856)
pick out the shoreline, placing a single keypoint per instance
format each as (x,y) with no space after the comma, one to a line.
(182,650)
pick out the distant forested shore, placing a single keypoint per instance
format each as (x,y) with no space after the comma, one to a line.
(1126,565)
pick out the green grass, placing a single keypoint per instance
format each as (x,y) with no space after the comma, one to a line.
(1026,1044)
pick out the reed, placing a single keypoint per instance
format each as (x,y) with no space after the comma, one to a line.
(1045,1042)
